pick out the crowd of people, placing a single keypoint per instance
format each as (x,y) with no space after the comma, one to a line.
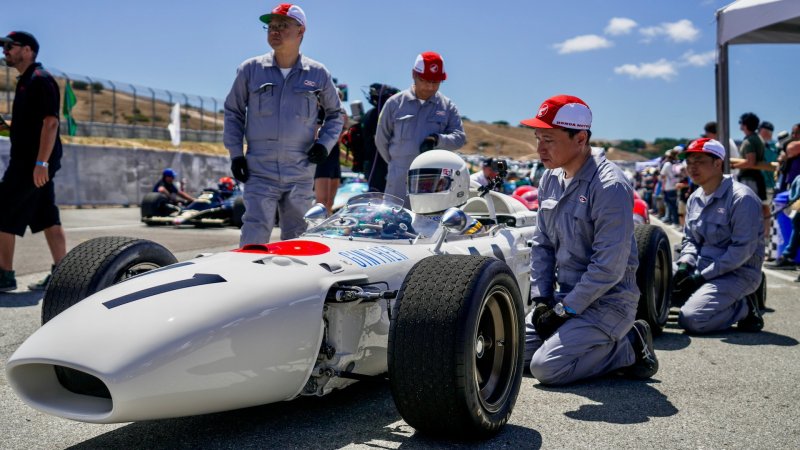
(283,123)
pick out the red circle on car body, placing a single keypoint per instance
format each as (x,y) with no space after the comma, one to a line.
(287,248)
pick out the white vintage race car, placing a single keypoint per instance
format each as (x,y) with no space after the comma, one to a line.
(131,334)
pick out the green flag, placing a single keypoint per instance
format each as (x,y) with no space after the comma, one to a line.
(66,110)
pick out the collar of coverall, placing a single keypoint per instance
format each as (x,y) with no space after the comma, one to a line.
(724,186)
(301,63)
(586,172)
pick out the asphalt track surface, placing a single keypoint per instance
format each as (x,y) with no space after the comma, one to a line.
(726,390)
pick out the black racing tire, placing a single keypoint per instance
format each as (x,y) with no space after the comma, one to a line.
(238,212)
(154,204)
(654,276)
(456,346)
(97,264)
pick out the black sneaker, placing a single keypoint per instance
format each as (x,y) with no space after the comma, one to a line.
(782,264)
(42,284)
(646,364)
(753,322)
(7,281)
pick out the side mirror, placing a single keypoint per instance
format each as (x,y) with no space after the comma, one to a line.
(317,213)
(455,220)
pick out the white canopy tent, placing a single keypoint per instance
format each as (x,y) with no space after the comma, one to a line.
(750,22)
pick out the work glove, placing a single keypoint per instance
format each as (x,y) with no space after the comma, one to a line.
(546,321)
(687,286)
(239,169)
(429,143)
(684,271)
(317,153)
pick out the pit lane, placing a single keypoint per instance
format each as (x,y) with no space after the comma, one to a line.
(726,390)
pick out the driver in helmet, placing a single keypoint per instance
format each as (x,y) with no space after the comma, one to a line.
(226,186)
(438,180)
(166,186)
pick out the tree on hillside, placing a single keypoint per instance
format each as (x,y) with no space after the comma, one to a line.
(663,144)
(632,145)
(502,123)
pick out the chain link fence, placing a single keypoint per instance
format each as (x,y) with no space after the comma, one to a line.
(106,108)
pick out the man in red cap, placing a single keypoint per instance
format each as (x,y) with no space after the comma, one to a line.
(416,120)
(584,243)
(274,104)
(27,190)
(722,248)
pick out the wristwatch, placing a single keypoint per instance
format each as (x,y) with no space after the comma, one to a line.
(44,164)
(563,311)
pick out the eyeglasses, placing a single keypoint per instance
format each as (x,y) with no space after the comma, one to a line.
(10,45)
(278,27)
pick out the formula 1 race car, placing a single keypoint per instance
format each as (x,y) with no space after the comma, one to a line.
(213,207)
(131,334)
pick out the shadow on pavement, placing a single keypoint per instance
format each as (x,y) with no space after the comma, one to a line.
(761,338)
(622,400)
(362,414)
(672,338)
(18,299)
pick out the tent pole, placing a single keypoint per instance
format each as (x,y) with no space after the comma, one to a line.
(723,102)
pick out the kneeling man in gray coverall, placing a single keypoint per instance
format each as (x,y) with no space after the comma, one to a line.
(584,243)
(722,249)
(274,104)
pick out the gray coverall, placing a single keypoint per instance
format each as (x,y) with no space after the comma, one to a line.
(278,117)
(724,240)
(585,235)
(402,126)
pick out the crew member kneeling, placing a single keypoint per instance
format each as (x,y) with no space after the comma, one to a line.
(722,249)
(584,241)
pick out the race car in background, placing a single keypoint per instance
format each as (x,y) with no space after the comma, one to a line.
(131,334)
(220,206)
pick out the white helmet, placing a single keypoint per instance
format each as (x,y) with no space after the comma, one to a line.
(437,180)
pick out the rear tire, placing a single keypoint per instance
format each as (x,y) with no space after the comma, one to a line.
(654,276)
(154,204)
(456,346)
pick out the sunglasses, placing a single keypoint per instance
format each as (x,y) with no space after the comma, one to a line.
(278,26)
(10,45)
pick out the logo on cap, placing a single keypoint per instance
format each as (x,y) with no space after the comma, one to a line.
(543,110)
(434,68)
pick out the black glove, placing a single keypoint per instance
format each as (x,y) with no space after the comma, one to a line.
(239,169)
(317,153)
(684,271)
(546,321)
(688,285)
(429,143)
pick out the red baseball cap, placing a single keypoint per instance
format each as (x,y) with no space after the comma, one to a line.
(287,10)
(430,67)
(562,111)
(704,145)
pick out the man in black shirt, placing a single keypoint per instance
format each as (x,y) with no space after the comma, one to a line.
(26,190)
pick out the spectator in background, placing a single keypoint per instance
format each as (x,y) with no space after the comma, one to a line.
(789,159)
(669,180)
(486,173)
(752,151)
(710,132)
(416,120)
(328,174)
(765,131)
(27,190)
(375,167)
(790,169)
(274,104)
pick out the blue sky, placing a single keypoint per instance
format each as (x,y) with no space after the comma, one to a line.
(645,67)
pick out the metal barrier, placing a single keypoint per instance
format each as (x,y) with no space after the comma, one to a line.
(113,109)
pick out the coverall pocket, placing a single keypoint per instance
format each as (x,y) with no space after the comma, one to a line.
(582,223)
(307,105)
(613,322)
(406,127)
(264,97)
(436,124)
(717,230)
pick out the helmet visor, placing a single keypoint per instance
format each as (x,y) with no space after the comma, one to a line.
(429,181)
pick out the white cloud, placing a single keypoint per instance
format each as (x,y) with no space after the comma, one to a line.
(583,43)
(620,25)
(660,69)
(680,31)
(699,59)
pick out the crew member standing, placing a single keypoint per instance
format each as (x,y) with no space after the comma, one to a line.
(273,104)
(584,243)
(416,120)
(27,186)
